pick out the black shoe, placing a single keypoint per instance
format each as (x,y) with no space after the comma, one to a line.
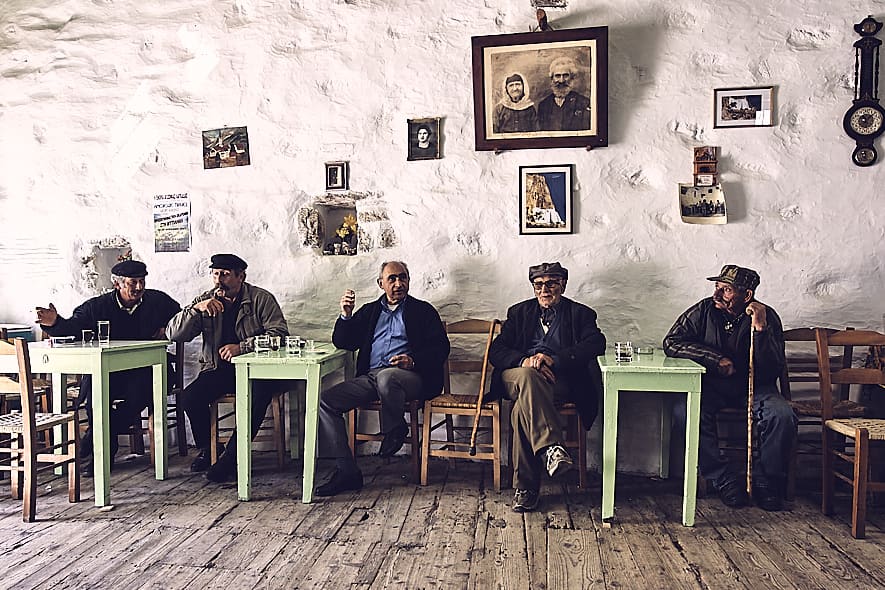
(733,494)
(393,441)
(525,500)
(768,498)
(341,482)
(223,470)
(202,462)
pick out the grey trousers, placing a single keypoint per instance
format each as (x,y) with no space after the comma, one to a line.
(535,421)
(393,386)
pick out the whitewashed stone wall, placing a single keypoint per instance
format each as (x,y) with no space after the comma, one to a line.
(102,103)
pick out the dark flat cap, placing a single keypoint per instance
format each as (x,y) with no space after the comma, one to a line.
(547,268)
(134,269)
(228,262)
(742,278)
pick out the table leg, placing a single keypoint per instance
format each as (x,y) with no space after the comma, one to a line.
(692,430)
(244,429)
(161,452)
(666,418)
(296,423)
(101,436)
(609,448)
(311,417)
(59,406)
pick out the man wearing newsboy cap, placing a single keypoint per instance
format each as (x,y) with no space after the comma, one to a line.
(228,316)
(715,332)
(135,313)
(546,352)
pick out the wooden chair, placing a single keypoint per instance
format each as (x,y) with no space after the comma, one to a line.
(859,431)
(174,413)
(219,434)
(576,438)
(10,389)
(25,453)
(355,437)
(464,404)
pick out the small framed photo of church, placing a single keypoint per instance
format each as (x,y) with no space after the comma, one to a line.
(743,107)
(545,199)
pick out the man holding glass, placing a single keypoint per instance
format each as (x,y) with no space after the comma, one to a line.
(546,352)
(402,347)
(134,313)
(228,316)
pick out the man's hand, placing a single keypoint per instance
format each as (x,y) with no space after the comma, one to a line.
(229,351)
(543,363)
(211,307)
(348,302)
(47,316)
(757,311)
(726,367)
(401,361)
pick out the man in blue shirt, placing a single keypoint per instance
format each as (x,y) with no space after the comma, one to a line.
(402,348)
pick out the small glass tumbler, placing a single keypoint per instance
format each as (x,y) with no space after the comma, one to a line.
(104,332)
(274,343)
(88,337)
(624,352)
(292,345)
(262,345)
(311,345)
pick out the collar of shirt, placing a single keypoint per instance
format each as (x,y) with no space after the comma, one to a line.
(129,310)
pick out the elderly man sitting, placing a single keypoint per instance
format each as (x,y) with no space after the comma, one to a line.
(545,352)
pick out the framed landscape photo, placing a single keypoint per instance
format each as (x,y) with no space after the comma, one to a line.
(541,90)
(545,199)
(743,107)
(424,139)
(336,176)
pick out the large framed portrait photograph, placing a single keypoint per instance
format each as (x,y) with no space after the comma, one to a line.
(743,107)
(424,139)
(541,90)
(545,199)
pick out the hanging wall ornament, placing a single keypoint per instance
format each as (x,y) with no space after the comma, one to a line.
(865,120)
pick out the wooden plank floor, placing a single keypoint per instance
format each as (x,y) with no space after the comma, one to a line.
(454,533)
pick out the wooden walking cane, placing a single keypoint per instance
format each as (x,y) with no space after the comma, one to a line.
(750,416)
(482,388)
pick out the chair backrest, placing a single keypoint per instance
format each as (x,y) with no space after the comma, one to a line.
(844,376)
(461,364)
(26,383)
(802,364)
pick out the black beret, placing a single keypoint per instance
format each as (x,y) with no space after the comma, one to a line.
(134,269)
(547,268)
(228,262)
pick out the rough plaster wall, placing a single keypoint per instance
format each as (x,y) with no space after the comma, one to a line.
(103,102)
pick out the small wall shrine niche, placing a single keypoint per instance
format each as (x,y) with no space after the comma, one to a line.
(346,224)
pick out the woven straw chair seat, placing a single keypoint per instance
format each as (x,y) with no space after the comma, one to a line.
(847,426)
(841,409)
(458,400)
(12,423)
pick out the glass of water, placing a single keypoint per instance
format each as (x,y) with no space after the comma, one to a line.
(262,345)
(292,345)
(88,336)
(104,332)
(624,352)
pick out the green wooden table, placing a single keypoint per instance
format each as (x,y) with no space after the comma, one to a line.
(100,362)
(278,365)
(657,373)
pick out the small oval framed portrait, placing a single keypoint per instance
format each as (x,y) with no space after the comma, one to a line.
(424,139)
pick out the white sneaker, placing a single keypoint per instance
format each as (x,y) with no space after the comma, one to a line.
(558,460)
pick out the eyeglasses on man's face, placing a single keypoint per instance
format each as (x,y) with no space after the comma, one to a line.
(551,284)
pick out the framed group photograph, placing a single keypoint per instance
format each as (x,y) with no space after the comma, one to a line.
(336,176)
(541,90)
(424,139)
(743,107)
(545,199)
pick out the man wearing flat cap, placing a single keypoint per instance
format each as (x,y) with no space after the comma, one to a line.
(135,313)
(546,353)
(516,111)
(228,316)
(715,332)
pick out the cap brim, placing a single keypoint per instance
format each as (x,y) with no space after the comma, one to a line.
(721,280)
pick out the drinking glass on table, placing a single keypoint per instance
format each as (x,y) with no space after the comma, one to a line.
(262,345)
(274,343)
(104,332)
(292,345)
(624,352)
(88,336)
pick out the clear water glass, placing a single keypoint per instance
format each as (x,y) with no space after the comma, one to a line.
(274,343)
(104,332)
(88,337)
(262,345)
(624,352)
(292,345)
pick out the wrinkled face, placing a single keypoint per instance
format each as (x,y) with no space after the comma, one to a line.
(423,135)
(227,282)
(561,78)
(548,289)
(515,90)
(130,290)
(394,280)
(730,299)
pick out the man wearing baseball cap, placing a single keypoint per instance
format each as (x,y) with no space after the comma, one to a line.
(135,313)
(715,332)
(228,316)
(546,352)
